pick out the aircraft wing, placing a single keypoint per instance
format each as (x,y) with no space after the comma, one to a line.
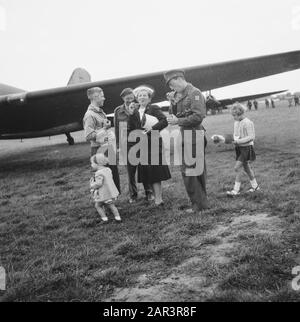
(60,110)
(230,101)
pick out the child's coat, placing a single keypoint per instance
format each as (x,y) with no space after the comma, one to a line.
(102,186)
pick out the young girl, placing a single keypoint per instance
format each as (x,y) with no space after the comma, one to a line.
(244,136)
(103,189)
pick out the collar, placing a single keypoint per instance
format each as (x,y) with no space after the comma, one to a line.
(96,109)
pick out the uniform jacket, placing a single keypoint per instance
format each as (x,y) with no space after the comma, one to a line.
(190,108)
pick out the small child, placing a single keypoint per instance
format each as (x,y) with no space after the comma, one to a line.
(244,136)
(103,189)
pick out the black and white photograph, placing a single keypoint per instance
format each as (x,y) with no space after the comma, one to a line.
(149,153)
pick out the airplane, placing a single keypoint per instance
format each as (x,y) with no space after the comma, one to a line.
(60,110)
(213,104)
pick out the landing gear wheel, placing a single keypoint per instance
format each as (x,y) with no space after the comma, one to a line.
(70,139)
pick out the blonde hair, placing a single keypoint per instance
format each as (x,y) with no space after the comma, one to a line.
(91,91)
(98,159)
(238,109)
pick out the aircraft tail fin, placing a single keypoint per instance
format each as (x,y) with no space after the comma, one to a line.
(79,76)
(6,90)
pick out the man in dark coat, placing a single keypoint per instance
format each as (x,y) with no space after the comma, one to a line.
(255,103)
(249,105)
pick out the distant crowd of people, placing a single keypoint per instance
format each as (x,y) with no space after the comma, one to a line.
(141,117)
(271,103)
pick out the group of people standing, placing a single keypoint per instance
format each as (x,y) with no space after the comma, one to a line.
(269,102)
(187,110)
(255,104)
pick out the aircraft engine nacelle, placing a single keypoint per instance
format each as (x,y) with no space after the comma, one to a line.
(16,99)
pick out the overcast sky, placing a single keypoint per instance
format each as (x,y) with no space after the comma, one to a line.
(42,41)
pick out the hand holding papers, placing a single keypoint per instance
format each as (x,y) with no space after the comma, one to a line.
(150,122)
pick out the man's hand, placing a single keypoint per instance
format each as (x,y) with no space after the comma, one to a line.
(132,108)
(171,98)
(172,120)
(147,129)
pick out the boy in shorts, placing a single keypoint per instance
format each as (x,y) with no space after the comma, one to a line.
(244,135)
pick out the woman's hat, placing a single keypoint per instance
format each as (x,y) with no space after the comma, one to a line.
(146,88)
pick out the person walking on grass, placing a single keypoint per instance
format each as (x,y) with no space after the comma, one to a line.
(103,189)
(244,135)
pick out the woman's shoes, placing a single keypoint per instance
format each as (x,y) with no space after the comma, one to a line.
(132,200)
(150,197)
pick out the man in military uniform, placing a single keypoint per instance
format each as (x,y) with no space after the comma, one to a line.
(95,123)
(188,109)
(121,117)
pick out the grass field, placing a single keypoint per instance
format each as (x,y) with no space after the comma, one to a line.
(55,248)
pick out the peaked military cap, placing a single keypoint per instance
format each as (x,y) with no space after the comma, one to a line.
(126,91)
(173,74)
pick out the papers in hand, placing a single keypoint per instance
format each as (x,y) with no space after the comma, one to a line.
(228,138)
(150,121)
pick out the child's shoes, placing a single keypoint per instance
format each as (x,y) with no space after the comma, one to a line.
(104,218)
(254,189)
(118,218)
(232,193)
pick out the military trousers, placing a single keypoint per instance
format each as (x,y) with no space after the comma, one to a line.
(195,185)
